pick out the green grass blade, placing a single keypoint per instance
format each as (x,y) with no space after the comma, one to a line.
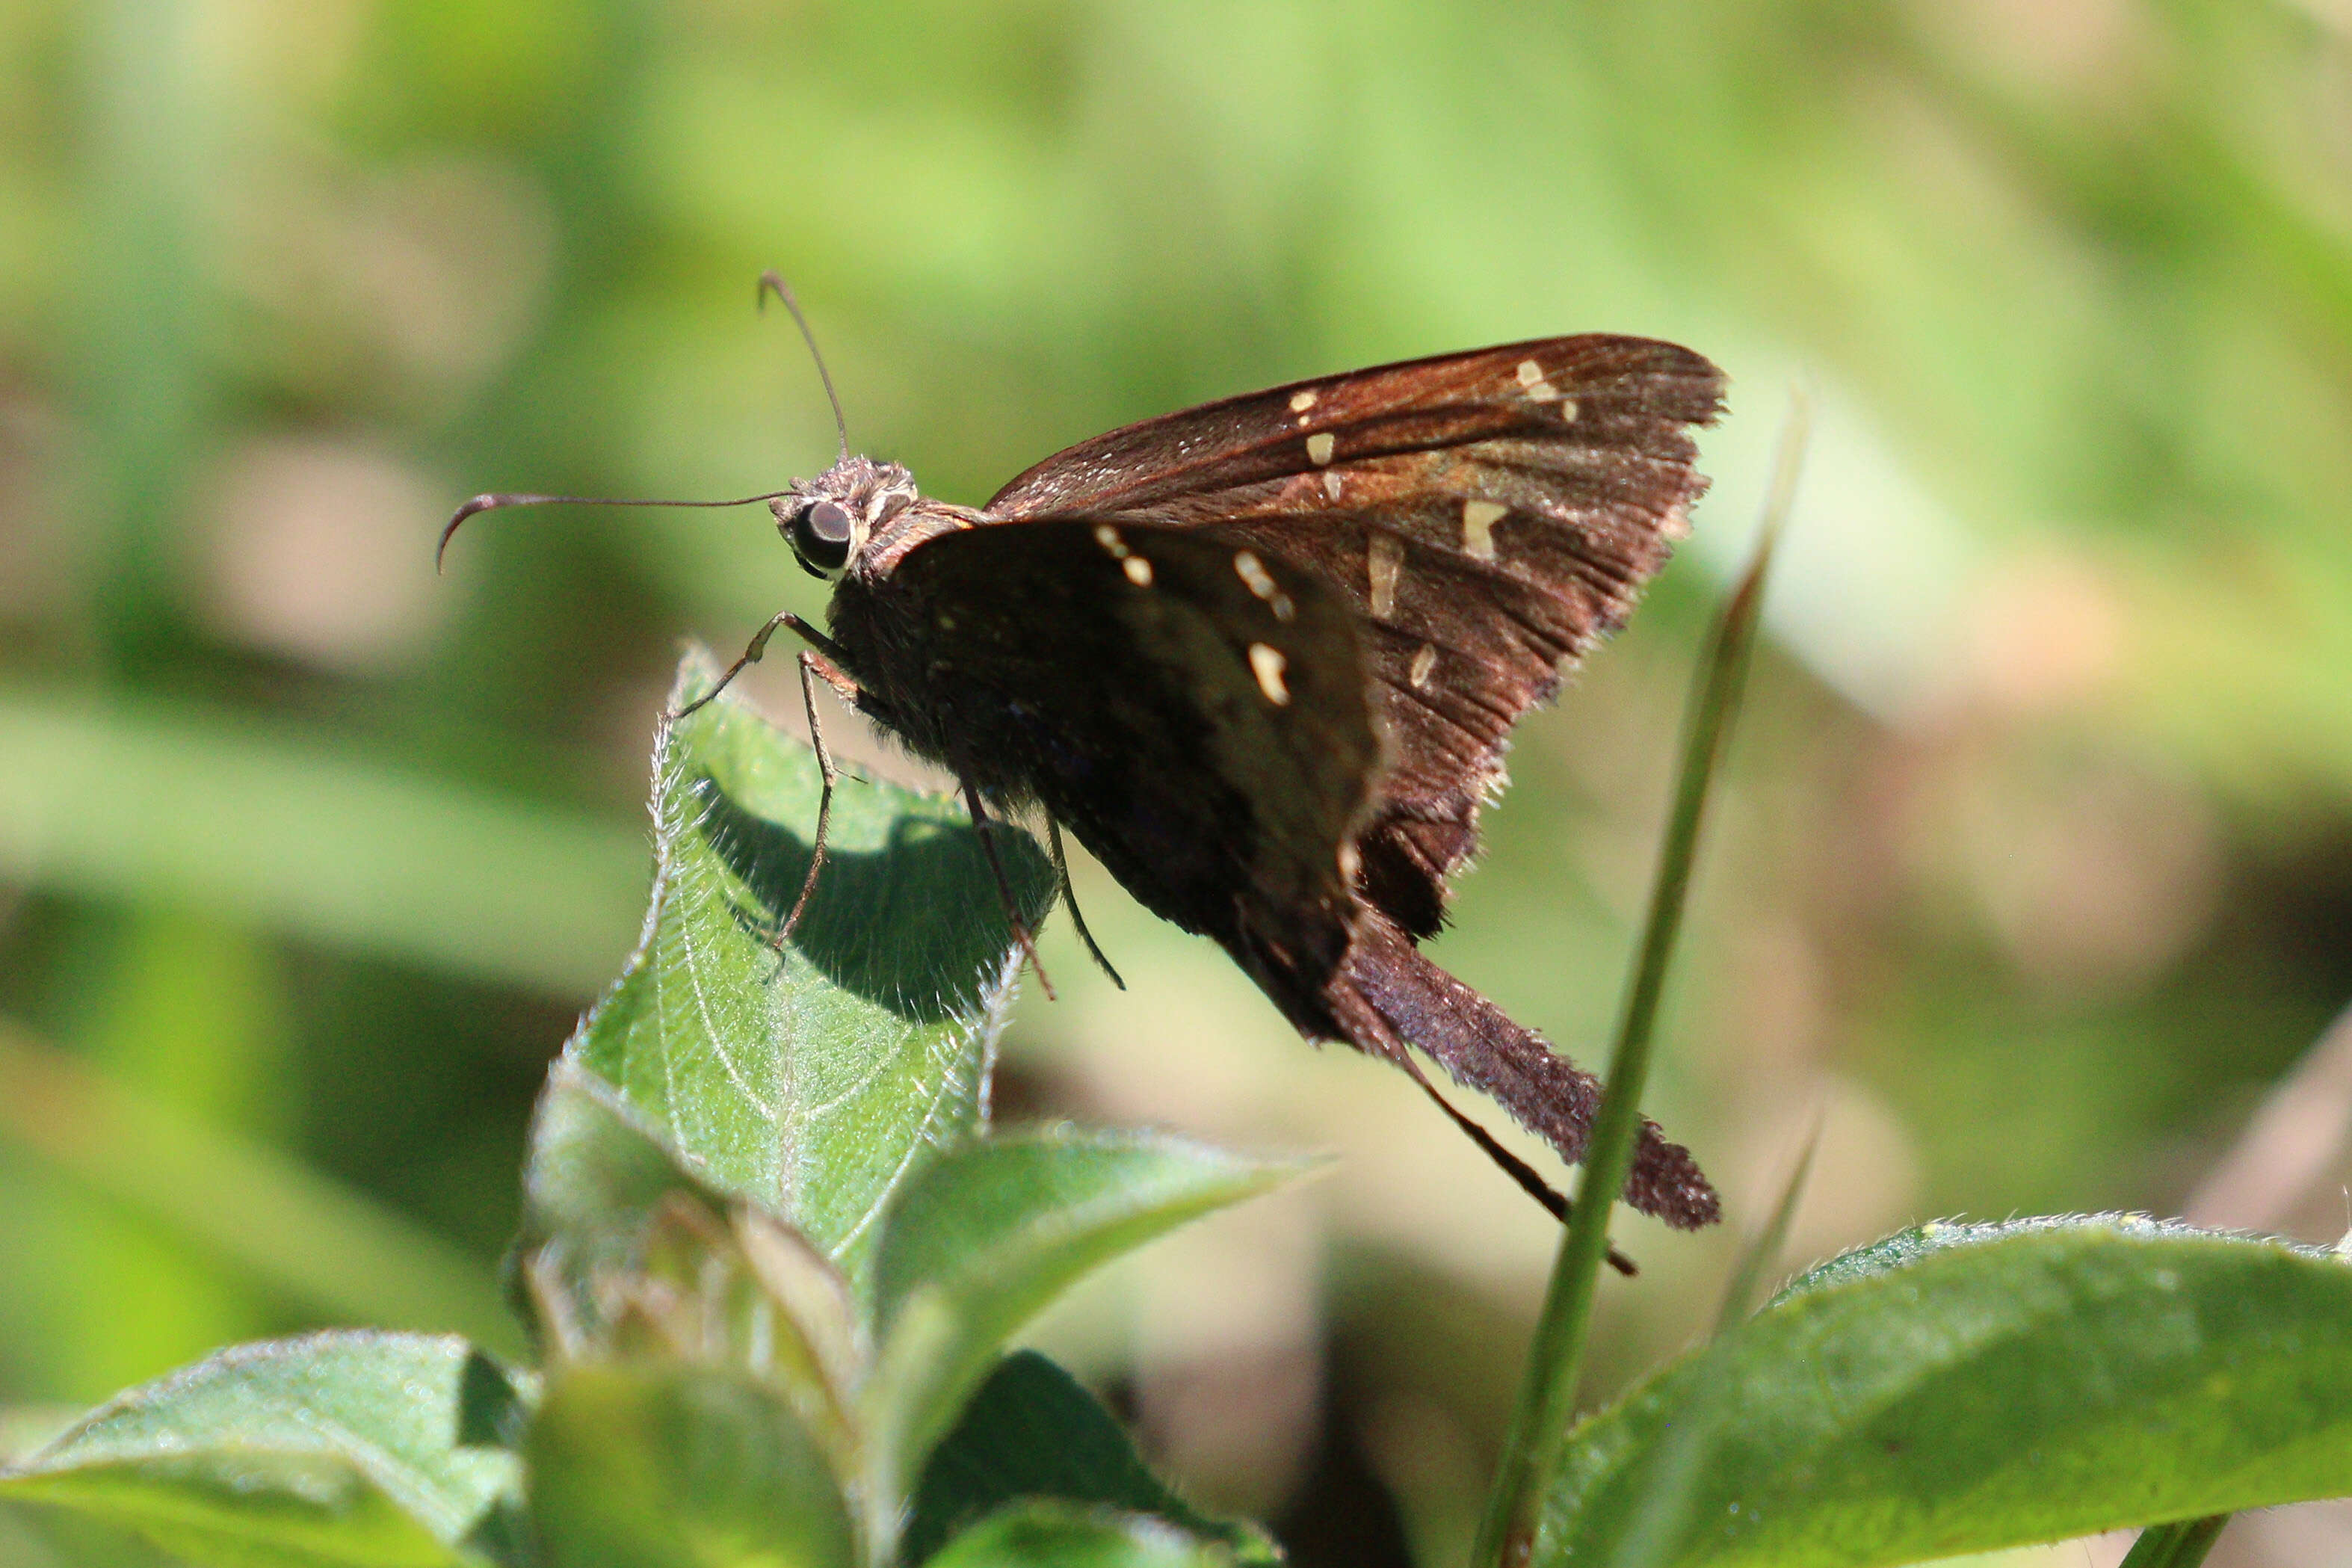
(334,1251)
(2182,1545)
(147,802)
(1556,1359)
(1739,1296)
(1685,1449)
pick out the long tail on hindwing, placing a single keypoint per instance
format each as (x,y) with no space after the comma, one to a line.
(1386,996)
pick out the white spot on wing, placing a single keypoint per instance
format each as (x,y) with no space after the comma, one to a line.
(1267,664)
(1138,569)
(1386,561)
(1332,484)
(1253,571)
(1300,402)
(1568,408)
(1107,537)
(1423,663)
(1479,521)
(1319,446)
(1530,372)
(1350,862)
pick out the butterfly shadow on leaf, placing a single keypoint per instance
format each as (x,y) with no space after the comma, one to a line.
(917,926)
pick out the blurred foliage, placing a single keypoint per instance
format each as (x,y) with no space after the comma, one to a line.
(2036,864)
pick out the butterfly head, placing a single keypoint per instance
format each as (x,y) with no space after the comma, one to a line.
(828,520)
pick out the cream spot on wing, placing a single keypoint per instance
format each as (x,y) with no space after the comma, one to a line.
(1107,537)
(1332,484)
(1530,372)
(1253,571)
(1138,569)
(1387,561)
(1541,392)
(1300,402)
(1319,446)
(1267,664)
(1568,408)
(1423,663)
(1479,521)
(1350,862)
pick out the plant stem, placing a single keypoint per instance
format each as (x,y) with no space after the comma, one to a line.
(2181,1545)
(1555,1358)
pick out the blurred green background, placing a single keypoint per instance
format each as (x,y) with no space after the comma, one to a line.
(2034,869)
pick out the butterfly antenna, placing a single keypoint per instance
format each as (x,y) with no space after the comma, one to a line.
(487,502)
(773,282)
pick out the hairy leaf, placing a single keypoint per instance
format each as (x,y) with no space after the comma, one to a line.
(1966,1388)
(1057,1535)
(339,1448)
(992,1230)
(642,1465)
(1033,1431)
(812,1079)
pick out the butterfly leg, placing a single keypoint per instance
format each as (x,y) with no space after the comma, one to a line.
(981,821)
(759,646)
(809,661)
(1069,897)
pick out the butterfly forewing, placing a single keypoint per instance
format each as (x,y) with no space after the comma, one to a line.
(1486,515)
(1627,395)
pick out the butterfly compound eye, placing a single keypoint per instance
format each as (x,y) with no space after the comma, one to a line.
(821,537)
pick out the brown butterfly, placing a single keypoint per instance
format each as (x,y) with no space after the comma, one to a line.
(1263,657)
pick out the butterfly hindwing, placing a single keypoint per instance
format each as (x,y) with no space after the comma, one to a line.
(1488,515)
(1195,713)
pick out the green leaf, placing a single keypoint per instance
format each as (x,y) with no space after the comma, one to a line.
(597,1174)
(340,1448)
(623,1249)
(54,1538)
(1033,1431)
(1057,1535)
(809,1080)
(665,1465)
(989,1231)
(25,1427)
(1969,1388)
